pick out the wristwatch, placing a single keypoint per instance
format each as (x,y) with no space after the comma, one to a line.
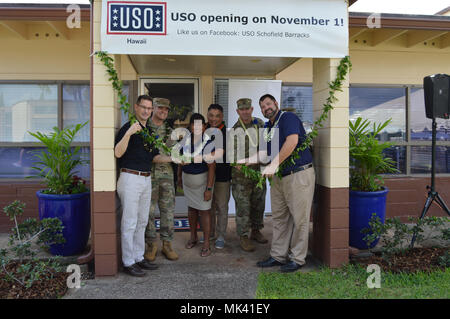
(209,188)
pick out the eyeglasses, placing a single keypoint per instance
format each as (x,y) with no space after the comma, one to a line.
(146,108)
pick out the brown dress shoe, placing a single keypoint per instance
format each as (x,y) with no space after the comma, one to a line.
(246,244)
(258,237)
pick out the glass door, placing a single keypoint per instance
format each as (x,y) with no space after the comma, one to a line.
(182,93)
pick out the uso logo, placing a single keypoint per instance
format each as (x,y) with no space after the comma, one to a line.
(128,17)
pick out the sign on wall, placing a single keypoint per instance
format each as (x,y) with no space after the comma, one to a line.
(282,28)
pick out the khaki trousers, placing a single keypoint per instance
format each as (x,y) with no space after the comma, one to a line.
(291,200)
(219,209)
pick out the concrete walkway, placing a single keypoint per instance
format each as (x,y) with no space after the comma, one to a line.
(226,274)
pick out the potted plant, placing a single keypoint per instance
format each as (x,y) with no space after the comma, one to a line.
(66,197)
(367,190)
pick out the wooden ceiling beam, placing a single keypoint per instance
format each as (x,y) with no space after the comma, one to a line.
(445,41)
(380,36)
(418,36)
(18,28)
(354,32)
(59,27)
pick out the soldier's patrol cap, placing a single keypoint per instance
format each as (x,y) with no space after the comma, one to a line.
(244,103)
(161,102)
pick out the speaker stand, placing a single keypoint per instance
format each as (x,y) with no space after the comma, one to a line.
(433,195)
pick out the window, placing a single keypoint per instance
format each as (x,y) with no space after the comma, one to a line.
(23,108)
(379,104)
(410,130)
(221,97)
(126,92)
(298,99)
(421,125)
(39,107)
(295,98)
(76,108)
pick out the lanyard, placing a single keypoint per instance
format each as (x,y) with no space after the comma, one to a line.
(246,133)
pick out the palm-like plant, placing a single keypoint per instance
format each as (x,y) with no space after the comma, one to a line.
(367,160)
(57,163)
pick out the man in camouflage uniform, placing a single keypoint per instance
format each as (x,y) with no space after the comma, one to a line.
(249,199)
(163,189)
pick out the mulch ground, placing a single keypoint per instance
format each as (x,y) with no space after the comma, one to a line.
(413,260)
(43,289)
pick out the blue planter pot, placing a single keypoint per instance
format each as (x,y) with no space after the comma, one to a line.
(74,211)
(361,207)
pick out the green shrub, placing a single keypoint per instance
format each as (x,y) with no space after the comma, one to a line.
(42,233)
(444,260)
(367,160)
(396,236)
(56,164)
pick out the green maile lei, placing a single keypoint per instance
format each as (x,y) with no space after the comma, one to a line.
(151,138)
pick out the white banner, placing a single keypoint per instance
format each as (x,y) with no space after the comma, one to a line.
(282,28)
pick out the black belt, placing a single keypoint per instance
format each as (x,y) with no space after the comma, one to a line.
(126,170)
(298,169)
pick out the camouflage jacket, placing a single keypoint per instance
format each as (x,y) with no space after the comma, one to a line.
(162,170)
(256,123)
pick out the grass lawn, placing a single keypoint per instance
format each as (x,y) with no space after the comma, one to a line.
(350,282)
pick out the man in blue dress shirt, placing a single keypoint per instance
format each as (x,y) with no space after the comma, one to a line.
(292,195)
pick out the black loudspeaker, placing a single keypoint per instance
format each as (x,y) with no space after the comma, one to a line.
(436,90)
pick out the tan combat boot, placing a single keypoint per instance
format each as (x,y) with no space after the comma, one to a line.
(168,251)
(258,237)
(246,244)
(150,251)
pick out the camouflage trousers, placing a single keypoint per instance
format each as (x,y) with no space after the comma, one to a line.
(163,195)
(250,203)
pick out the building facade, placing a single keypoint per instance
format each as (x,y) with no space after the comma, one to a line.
(49,77)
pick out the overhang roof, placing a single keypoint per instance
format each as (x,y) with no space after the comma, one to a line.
(218,65)
(414,29)
(40,12)
(402,21)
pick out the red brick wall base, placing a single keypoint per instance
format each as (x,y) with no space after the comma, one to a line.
(23,191)
(330,226)
(407,196)
(106,234)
